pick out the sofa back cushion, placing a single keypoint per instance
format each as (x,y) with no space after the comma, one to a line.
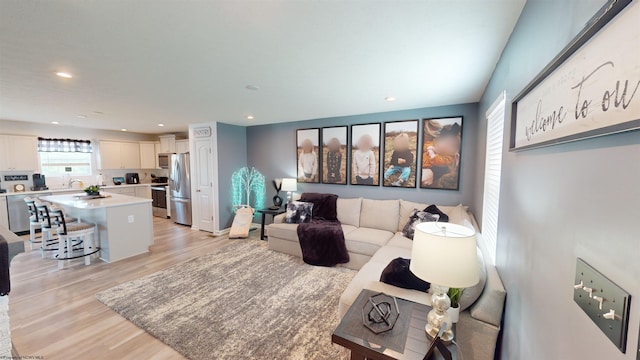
(349,211)
(380,214)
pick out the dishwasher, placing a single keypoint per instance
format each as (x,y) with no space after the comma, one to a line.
(18,213)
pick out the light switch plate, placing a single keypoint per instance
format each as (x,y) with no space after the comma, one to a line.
(615,298)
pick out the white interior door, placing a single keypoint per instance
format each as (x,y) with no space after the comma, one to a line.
(203,183)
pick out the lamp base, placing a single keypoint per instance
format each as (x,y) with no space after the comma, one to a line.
(438,317)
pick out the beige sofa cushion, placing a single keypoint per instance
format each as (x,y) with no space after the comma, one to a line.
(489,306)
(283,231)
(380,214)
(400,241)
(349,211)
(366,241)
(406,207)
(459,215)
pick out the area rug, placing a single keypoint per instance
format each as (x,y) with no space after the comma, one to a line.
(242,301)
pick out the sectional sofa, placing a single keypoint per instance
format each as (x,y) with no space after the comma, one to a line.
(373,236)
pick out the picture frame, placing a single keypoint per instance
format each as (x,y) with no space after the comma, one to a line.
(335,157)
(588,89)
(441,153)
(400,153)
(365,154)
(308,155)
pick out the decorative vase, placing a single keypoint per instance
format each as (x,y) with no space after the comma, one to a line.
(454,314)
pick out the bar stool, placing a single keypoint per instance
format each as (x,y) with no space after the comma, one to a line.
(34,221)
(47,226)
(67,232)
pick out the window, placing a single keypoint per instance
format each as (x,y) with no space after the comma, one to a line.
(60,157)
(492,175)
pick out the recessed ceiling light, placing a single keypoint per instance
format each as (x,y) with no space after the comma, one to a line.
(161,125)
(55,122)
(390,98)
(252,87)
(81,116)
(63,74)
(250,117)
(123,129)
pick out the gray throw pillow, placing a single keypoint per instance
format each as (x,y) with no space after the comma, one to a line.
(299,212)
(416,218)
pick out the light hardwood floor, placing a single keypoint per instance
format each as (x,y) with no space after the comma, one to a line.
(54,313)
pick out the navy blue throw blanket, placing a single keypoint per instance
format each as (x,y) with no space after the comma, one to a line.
(322,240)
(5,283)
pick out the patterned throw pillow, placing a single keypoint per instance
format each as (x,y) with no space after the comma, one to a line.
(416,218)
(299,212)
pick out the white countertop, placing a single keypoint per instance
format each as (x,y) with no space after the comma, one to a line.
(112,200)
(53,191)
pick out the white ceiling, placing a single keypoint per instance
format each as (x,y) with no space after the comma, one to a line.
(146,62)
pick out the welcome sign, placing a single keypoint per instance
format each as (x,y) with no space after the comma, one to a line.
(592,88)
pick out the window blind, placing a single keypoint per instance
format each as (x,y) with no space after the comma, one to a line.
(64,145)
(492,175)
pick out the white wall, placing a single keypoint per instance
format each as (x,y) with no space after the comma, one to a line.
(558,203)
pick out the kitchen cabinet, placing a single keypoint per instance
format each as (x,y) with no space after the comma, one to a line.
(182,146)
(143,192)
(167,144)
(4,213)
(18,153)
(125,190)
(119,155)
(148,157)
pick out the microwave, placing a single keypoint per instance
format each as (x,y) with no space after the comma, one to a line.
(164,160)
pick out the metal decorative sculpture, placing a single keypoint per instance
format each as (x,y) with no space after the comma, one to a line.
(380,313)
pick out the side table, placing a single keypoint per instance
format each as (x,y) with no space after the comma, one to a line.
(406,341)
(273,213)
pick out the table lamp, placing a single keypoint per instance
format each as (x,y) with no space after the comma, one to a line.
(444,255)
(289,185)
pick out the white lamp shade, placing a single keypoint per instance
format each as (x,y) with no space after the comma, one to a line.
(289,184)
(445,254)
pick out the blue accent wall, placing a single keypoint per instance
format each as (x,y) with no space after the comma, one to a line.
(272,150)
(232,155)
(557,203)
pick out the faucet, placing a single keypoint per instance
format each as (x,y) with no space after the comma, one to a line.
(71,181)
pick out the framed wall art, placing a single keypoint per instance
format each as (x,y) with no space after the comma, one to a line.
(441,149)
(591,88)
(400,153)
(365,154)
(334,155)
(308,155)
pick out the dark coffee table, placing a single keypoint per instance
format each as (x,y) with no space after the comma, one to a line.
(273,213)
(407,340)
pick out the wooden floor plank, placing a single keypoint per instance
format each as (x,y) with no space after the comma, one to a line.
(54,313)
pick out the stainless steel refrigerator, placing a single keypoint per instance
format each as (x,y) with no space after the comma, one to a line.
(180,186)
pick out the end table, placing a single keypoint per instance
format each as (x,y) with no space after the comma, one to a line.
(406,341)
(273,213)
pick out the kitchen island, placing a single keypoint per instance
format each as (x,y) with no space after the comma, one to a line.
(125,224)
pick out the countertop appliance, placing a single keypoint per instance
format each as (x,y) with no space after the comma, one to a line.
(180,189)
(39,182)
(118,180)
(132,178)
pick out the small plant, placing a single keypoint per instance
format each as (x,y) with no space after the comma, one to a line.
(92,190)
(454,295)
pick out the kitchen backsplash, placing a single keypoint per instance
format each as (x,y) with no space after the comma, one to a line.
(62,182)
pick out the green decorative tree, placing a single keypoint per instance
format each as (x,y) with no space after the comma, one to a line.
(244,182)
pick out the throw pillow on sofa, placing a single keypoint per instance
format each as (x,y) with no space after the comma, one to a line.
(397,273)
(432,209)
(299,212)
(416,218)
(324,205)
